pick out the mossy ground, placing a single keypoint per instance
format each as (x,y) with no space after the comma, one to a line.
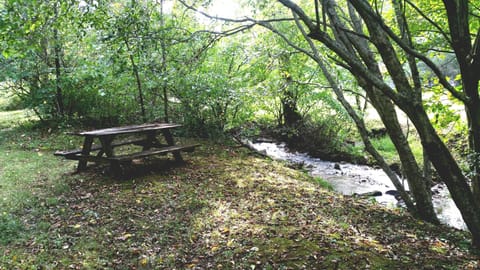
(224,209)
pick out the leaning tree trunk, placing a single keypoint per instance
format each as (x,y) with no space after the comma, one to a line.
(468,57)
(409,100)
(137,80)
(359,124)
(406,98)
(385,108)
(473,112)
(416,180)
(448,170)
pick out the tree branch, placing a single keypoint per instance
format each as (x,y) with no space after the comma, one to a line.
(301,14)
(427,18)
(243,20)
(441,77)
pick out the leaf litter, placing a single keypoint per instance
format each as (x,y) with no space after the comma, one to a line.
(226,209)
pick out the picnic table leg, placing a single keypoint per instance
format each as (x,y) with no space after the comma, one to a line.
(107,145)
(150,141)
(169,138)
(108,150)
(87,147)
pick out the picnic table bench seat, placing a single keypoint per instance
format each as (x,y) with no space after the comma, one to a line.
(77,154)
(151,152)
(70,154)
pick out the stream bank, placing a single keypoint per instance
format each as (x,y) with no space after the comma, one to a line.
(349,179)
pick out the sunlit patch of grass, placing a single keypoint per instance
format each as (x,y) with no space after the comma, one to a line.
(11,119)
(387,149)
(25,173)
(322,183)
(31,178)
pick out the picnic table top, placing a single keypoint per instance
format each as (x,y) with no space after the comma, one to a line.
(128,129)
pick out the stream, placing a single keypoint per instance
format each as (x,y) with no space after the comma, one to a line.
(349,179)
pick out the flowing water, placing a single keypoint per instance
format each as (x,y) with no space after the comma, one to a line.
(350,179)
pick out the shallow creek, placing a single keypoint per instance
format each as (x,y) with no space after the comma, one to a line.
(349,178)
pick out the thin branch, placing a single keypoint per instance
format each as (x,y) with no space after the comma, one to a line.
(286,39)
(441,77)
(300,13)
(427,18)
(439,50)
(243,20)
(228,32)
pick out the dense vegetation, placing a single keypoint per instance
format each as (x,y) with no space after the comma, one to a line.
(322,75)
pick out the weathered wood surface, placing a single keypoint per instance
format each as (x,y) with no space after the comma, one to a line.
(127,129)
(151,152)
(140,142)
(129,157)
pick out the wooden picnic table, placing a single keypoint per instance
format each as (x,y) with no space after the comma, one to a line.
(145,135)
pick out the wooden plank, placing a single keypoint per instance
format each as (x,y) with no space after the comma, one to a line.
(140,142)
(86,158)
(146,153)
(128,129)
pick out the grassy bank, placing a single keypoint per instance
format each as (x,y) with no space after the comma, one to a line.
(224,209)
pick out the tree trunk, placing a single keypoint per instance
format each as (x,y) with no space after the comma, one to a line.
(291,116)
(472,108)
(468,58)
(360,125)
(473,112)
(57,51)
(383,105)
(405,97)
(137,79)
(416,181)
(410,102)
(448,170)
(163,68)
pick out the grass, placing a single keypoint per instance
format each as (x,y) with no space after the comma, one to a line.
(322,183)
(224,209)
(386,148)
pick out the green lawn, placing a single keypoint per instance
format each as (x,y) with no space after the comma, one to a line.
(224,209)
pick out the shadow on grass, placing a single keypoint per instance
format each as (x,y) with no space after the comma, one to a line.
(226,209)
(137,169)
